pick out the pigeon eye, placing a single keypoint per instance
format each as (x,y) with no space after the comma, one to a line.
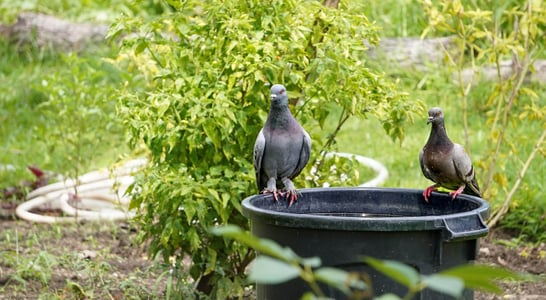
(282,92)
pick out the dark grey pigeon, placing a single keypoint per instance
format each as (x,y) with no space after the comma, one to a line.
(446,163)
(282,148)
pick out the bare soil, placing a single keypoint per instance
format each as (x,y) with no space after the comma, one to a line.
(101,261)
(79,261)
(498,249)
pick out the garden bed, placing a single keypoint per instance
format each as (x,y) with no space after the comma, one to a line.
(101,261)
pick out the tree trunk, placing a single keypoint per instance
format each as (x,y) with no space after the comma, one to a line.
(48,31)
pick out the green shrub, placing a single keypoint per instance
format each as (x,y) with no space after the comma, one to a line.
(212,63)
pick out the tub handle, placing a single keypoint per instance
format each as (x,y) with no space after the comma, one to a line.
(464,228)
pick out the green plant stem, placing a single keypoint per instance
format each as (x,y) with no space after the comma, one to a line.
(520,75)
(498,109)
(308,275)
(156,58)
(343,117)
(16,246)
(464,90)
(412,291)
(310,44)
(521,70)
(245,261)
(499,214)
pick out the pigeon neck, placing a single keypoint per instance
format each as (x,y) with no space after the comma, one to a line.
(279,116)
(438,135)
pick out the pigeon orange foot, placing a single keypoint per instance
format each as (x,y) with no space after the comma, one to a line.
(292,196)
(291,192)
(457,192)
(428,191)
(274,192)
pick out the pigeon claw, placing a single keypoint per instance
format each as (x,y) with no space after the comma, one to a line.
(292,196)
(428,191)
(457,192)
(275,194)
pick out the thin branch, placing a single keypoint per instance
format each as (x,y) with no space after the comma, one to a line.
(498,215)
(309,277)
(243,263)
(520,76)
(464,90)
(500,85)
(520,72)
(342,119)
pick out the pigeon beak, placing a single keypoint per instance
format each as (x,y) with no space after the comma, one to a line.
(429,120)
(273,97)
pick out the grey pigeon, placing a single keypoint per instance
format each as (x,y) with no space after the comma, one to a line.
(446,163)
(282,148)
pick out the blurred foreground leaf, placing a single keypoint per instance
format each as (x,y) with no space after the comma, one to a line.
(449,285)
(482,277)
(400,272)
(263,246)
(269,270)
(342,280)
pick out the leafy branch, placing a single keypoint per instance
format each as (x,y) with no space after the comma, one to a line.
(499,214)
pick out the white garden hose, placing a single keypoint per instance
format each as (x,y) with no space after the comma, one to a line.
(378,167)
(100,196)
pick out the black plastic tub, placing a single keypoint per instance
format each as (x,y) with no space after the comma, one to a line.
(340,225)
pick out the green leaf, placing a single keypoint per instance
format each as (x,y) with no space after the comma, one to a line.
(263,246)
(269,270)
(312,262)
(449,285)
(142,45)
(482,277)
(270,247)
(212,254)
(340,279)
(400,272)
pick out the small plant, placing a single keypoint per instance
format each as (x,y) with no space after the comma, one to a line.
(38,267)
(79,101)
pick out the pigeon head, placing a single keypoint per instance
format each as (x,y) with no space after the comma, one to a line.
(279,96)
(435,116)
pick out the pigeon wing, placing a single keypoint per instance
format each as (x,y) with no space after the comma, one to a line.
(424,169)
(464,169)
(259,148)
(304,154)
